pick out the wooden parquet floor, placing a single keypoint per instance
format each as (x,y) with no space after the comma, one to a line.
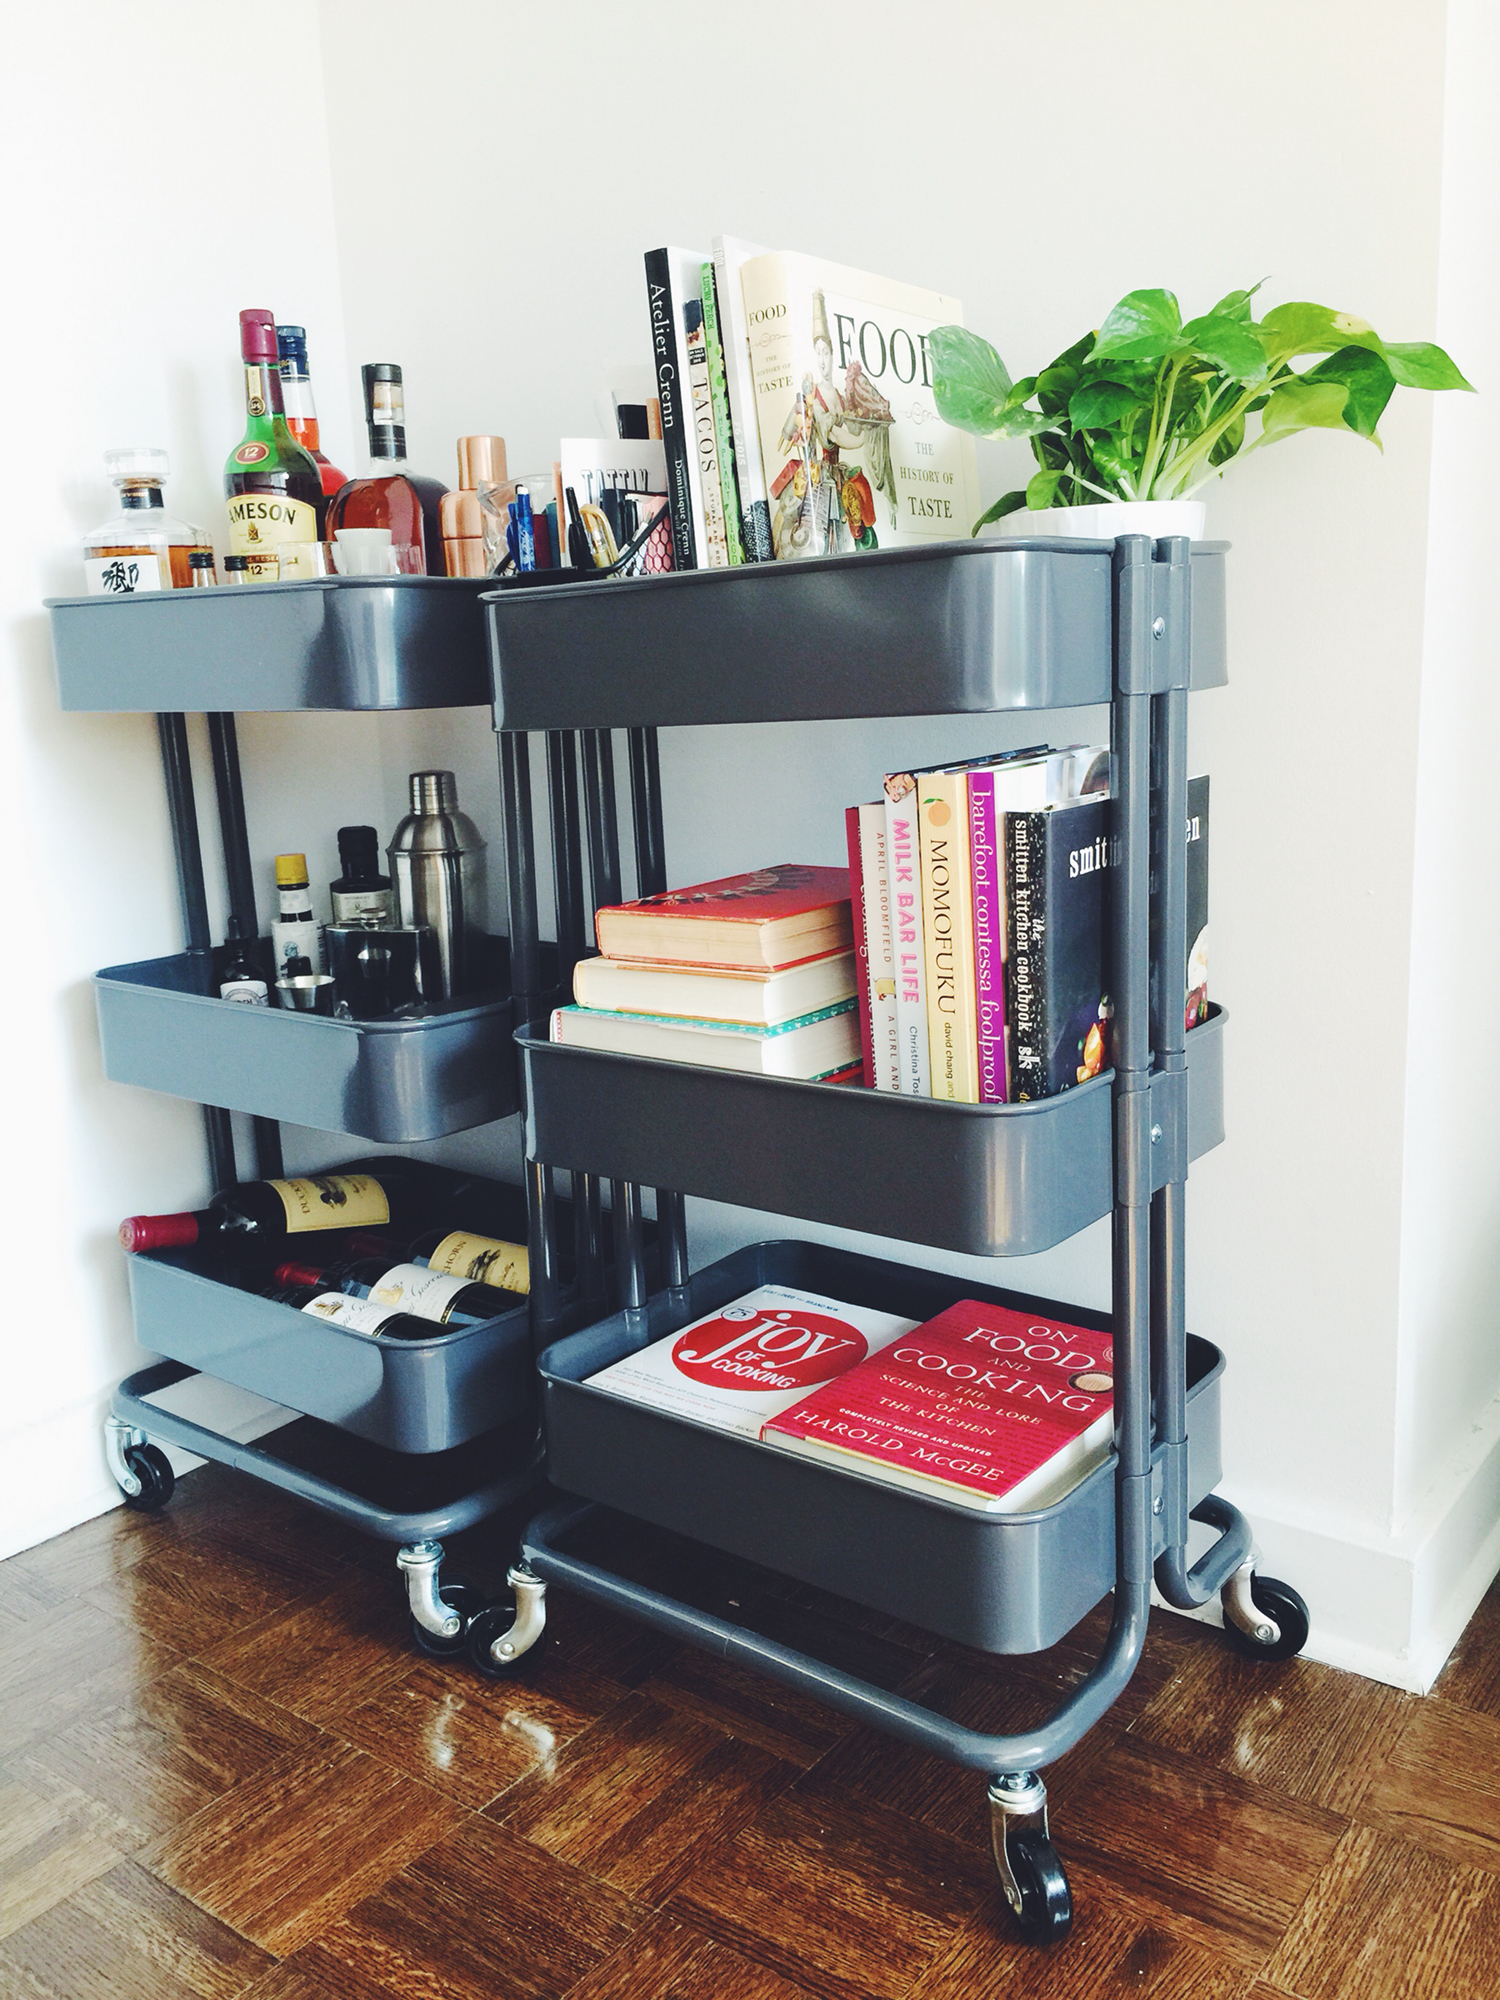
(225,1775)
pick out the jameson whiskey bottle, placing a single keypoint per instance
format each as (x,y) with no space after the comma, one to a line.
(273,486)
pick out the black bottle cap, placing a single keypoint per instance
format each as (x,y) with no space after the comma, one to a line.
(359,850)
(291,345)
(201,559)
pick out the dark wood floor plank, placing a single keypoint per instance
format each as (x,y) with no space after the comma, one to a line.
(851,1902)
(1441,1785)
(484,1915)
(1471,1679)
(641,1796)
(1296,1727)
(1388,1921)
(666,1960)
(127,1936)
(281,1857)
(340,1644)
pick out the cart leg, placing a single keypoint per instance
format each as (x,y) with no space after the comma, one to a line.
(1030,1873)
(499,1637)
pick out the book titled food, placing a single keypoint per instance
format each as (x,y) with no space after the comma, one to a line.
(771,918)
(814,1049)
(756,999)
(997,1409)
(854,454)
(760,1353)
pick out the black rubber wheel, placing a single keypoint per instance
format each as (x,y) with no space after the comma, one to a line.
(1279,1601)
(153,1469)
(1046,1912)
(491,1624)
(464,1598)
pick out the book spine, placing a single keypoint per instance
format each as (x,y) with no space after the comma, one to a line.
(768,321)
(987,892)
(723,430)
(755,511)
(862,989)
(715,544)
(1025,995)
(907,949)
(670,392)
(947,918)
(877,891)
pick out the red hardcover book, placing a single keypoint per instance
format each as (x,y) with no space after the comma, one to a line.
(1001,1410)
(773,917)
(861,945)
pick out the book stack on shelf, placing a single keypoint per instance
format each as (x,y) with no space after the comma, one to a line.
(753,972)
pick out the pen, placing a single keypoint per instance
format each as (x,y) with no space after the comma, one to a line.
(581,555)
(525,534)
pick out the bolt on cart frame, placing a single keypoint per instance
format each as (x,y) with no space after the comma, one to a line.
(1150,624)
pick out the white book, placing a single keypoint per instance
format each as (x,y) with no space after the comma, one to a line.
(908,950)
(730,252)
(755,999)
(884,1028)
(817,1046)
(753,1358)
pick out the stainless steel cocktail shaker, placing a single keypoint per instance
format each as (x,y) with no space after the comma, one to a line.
(437,869)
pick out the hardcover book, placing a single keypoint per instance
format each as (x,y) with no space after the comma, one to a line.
(708,494)
(853,452)
(672,276)
(908,953)
(1057,863)
(995,1408)
(810,1049)
(1195,975)
(873,900)
(760,999)
(723,428)
(730,253)
(753,1357)
(864,992)
(768,919)
(947,919)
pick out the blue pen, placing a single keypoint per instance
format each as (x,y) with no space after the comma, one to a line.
(525,534)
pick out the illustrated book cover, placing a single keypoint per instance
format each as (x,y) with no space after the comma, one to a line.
(771,917)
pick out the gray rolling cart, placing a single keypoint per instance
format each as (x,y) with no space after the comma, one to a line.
(408,1443)
(956,630)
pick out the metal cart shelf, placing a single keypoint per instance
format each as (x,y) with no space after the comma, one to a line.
(971,629)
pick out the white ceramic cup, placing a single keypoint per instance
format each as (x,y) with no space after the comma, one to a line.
(362,551)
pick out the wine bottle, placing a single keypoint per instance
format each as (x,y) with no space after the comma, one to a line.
(377,1322)
(297,402)
(272,485)
(412,1288)
(460,1253)
(270,1211)
(391,495)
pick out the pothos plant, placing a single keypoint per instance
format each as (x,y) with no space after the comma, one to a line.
(1152,408)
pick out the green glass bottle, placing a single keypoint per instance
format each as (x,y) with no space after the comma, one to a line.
(273,486)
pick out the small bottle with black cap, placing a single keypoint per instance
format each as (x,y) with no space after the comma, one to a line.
(391,495)
(361,895)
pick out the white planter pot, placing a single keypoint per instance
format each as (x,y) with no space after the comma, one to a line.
(1102,522)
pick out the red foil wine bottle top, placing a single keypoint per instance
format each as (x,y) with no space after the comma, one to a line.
(297,1274)
(258,334)
(158,1232)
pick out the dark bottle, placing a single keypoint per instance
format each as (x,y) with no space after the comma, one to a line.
(376,1322)
(410,1288)
(361,895)
(239,978)
(271,1211)
(459,1253)
(297,402)
(273,487)
(391,495)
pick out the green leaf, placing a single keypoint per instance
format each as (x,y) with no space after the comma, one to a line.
(1041,489)
(1144,326)
(1367,380)
(971,385)
(1006,504)
(1231,344)
(1228,443)
(1302,328)
(1421,364)
(1098,404)
(1301,406)
(1051,449)
(1236,305)
(1055,385)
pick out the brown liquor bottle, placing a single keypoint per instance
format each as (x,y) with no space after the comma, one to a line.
(273,486)
(391,495)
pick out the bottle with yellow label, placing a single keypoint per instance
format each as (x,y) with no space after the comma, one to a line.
(272,485)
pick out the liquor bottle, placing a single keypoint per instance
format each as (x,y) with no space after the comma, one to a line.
(270,1211)
(411,1288)
(273,487)
(375,1321)
(237,569)
(142,547)
(361,895)
(296,931)
(297,404)
(201,574)
(239,980)
(461,1253)
(391,495)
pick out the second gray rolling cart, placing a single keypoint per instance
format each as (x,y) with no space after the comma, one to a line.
(970,629)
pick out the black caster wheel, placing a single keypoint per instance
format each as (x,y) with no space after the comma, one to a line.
(464,1598)
(153,1469)
(1279,1601)
(491,1624)
(1046,1912)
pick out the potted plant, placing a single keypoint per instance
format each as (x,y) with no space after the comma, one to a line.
(1133,420)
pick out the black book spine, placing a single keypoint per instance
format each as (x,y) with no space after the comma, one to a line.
(671,391)
(1025,972)
(1077,1011)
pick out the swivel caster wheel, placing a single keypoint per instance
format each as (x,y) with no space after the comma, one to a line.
(468,1600)
(1046,1912)
(1264,1618)
(501,1636)
(153,1469)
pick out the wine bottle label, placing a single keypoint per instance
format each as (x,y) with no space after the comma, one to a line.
(333,1201)
(248,992)
(417,1288)
(357,1315)
(258,521)
(363,906)
(484,1260)
(122,575)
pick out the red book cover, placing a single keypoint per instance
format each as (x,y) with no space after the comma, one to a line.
(775,917)
(992,1407)
(861,945)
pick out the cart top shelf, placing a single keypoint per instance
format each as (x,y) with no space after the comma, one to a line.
(348,642)
(960,628)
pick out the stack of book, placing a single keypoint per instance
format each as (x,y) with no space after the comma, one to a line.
(797,410)
(753,972)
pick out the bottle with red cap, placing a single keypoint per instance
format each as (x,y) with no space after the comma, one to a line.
(270,1212)
(273,486)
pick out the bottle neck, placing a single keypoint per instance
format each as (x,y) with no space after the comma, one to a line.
(263,411)
(298,408)
(139,498)
(296,901)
